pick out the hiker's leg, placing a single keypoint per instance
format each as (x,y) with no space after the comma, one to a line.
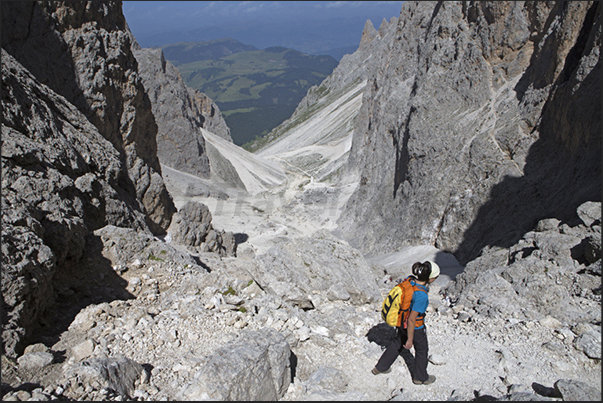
(390,354)
(421,353)
(409,359)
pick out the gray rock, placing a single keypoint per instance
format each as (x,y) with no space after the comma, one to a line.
(191,226)
(573,390)
(78,151)
(540,272)
(368,33)
(595,268)
(590,213)
(118,373)
(464,317)
(256,366)
(36,348)
(459,162)
(590,343)
(102,82)
(524,397)
(37,359)
(46,216)
(297,268)
(83,350)
(548,224)
(125,247)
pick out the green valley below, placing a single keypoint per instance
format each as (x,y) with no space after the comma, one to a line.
(256,90)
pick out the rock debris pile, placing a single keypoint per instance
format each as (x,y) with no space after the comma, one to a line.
(200,326)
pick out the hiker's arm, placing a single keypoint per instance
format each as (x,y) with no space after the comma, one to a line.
(410,328)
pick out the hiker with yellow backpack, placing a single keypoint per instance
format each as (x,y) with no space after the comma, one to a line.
(404,308)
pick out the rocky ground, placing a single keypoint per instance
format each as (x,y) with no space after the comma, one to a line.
(169,318)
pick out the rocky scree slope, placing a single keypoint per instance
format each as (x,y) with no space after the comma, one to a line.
(316,139)
(199,326)
(78,151)
(483,119)
(162,317)
(60,179)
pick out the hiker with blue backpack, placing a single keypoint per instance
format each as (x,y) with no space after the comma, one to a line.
(404,308)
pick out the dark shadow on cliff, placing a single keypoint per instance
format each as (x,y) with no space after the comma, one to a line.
(554,184)
(563,167)
(91,280)
(562,171)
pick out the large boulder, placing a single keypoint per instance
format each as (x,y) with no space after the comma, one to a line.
(117,373)
(192,227)
(573,390)
(300,268)
(544,274)
(256,366)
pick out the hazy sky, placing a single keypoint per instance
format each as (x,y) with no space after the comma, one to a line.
(260,21)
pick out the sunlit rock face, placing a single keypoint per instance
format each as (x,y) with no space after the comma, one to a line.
(180,113)
(484,119)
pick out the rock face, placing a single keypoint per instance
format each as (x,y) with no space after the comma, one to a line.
(60,179)
(79,149)
(141,317)
(255,367)
(180,113)
(82,51)
(484,120)
(296,271)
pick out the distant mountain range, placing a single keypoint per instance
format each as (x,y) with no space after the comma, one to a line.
(256,90)
(318,36)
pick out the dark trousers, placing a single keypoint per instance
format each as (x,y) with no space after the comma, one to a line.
(417,364)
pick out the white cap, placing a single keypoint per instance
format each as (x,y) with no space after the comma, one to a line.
(435,269)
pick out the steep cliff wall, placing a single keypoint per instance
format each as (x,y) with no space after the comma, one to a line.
(78,150)
(180,113)
(484,119)
(60,179)
(82,51)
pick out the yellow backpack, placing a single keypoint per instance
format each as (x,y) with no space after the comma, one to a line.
(396,306)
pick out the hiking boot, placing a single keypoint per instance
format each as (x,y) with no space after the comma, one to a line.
(429,381)
(375,371)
